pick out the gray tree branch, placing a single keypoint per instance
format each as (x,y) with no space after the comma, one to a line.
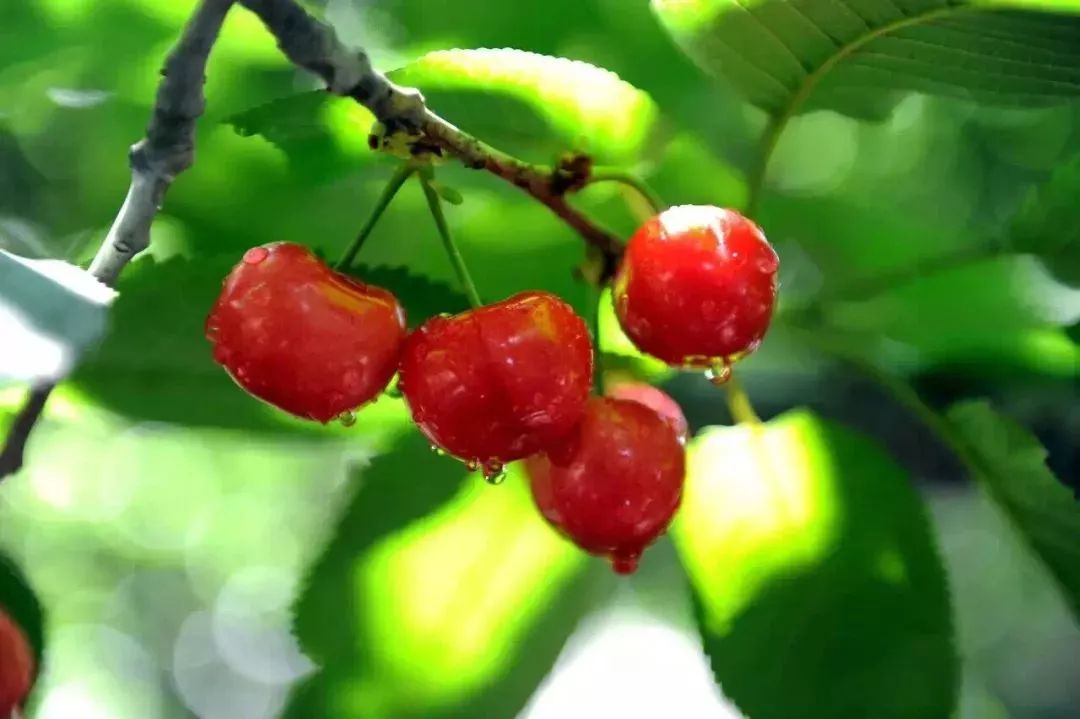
(167,150)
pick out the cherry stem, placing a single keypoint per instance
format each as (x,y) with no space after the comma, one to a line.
(742,411)
(401,174)
(458,262)
(635,183)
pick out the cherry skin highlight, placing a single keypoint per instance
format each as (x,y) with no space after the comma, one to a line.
(613,485)
(302,337)
(655,399)
(697,286)
(16,666)
(500,382)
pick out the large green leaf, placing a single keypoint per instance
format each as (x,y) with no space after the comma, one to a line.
(855,56)
(438,596)
(1012,464)
(819,588)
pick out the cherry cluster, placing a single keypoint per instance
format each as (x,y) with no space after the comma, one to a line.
(512,380)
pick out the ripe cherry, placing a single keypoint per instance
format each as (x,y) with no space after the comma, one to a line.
(655,399)
(16,666)
(697,287)
(499,382)
(613,485)
(302,337)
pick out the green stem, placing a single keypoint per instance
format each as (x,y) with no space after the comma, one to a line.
(631,181)
(458,262)
(401,174)
(742,411)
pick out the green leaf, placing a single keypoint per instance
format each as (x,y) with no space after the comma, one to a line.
(1012,465)
(1048,222)
(421,296)
(535,105)
(858,56)
(819,588)
(20,603)
(438,596)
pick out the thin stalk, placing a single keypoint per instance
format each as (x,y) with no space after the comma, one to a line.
(742,411)
(452,252)
(635,183)
(401,174)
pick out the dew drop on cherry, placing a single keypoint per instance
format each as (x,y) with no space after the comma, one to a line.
(472,465)
(438,450)
(347,419)
(256,255)
(625,562)
(720,372)
(494,472)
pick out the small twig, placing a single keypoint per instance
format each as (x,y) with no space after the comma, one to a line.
(314,45)
(631,181)
(11,457)
(167,150)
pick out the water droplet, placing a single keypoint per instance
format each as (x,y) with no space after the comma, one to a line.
(347,418)
(472,465)
(438,450)
(720,372)
(494,472)
(256,255)
(625,562)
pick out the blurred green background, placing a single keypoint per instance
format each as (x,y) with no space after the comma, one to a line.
(168,522)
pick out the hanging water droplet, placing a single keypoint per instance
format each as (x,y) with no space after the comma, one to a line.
(625,562)
(347,418)
(494,472)
(438,450)
(256,255)
(720,372)
(472,465)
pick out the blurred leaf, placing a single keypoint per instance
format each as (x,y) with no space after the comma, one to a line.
(536,105)
(1048,222)
(819,588)
(420,296)
(437,597)
(787,56)
(52,311)
(20,603)
(1012,464)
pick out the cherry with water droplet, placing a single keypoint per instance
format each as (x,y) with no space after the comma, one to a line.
(655,399)
(16,666)
(302,337)
(499,382)
(612,486)
(697,286)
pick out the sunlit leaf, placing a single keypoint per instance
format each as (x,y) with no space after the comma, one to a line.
(1012,464)
(438,596)
(858,56)
(819,589)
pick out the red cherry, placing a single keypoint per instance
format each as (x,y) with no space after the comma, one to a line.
(16,666)
(697,286)
(297,334)
(656,400)
(613,485)
(500,382)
